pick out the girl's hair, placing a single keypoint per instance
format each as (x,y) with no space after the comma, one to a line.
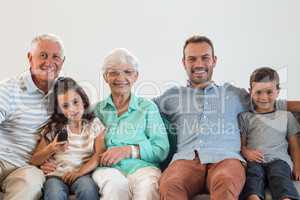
(58,120)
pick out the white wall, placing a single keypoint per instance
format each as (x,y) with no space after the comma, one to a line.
(246,33)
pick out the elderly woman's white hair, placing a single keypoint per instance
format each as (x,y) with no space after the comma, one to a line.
(48,36)
(119,56)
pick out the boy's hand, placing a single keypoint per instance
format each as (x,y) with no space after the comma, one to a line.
(70,177)
(296,173)
(253,155)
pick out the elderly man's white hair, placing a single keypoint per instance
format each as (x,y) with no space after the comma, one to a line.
(47,36)
(119,56)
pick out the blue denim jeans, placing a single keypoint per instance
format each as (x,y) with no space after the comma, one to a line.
(84,188)
(276,175)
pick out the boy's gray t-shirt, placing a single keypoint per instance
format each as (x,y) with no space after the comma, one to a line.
(269,133)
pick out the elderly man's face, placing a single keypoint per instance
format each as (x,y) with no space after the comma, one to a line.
(45,61)
(121,78)
(199,63)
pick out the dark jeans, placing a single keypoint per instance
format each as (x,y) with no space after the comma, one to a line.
(276,175)
(84,188)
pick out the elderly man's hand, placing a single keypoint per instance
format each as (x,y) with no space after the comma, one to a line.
(114,155)
(48,166)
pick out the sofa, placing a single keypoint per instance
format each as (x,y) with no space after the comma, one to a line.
(172,139)
(267,194)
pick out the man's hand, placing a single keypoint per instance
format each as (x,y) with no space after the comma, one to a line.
(114,155)
(48,166)
(253,155)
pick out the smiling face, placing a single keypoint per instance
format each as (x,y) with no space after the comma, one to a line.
(45,61)
(199,62)
(121,78)
(264,95)
(71,105)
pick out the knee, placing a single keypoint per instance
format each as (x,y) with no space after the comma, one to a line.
(53,186)
(33,177)
(31,180)
(149,184)
(169,184)
(86,185)
(223,182)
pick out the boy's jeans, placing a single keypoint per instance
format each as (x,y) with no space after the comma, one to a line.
(276,174)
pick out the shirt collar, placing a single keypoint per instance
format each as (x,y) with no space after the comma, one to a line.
(28,84)
(133,103)
(208,87)
(252,108)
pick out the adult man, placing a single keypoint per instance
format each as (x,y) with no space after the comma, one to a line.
(204,118)
(23,110)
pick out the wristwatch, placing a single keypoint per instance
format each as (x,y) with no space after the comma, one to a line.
(134,152)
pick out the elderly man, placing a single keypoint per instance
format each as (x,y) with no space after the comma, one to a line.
(204,118)
(23,110)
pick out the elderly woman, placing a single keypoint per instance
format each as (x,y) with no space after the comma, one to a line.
(135,137)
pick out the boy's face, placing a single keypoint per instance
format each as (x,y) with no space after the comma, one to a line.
(264,95)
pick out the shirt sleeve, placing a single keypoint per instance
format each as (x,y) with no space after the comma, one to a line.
(97,127)
(5,101)
(292,125)
(242,124)
(155,148)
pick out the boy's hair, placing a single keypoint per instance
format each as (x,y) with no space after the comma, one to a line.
(264,74)
(58,120)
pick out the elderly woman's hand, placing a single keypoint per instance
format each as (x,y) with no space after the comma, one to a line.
(114,155)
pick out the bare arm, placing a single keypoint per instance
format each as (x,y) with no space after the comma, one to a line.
(293,106)
(295,155)
(90,165)
(252,155)
(94,161)
(45,150)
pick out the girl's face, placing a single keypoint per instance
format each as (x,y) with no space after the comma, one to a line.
(71,104)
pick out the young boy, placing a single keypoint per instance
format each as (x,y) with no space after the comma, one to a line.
(267,135)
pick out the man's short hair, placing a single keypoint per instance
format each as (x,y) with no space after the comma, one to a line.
(264,74)
(50,37)
(198,39)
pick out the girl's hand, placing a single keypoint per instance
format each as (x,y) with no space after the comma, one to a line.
(253,155)
(114,155)
(56,146)
(70,177)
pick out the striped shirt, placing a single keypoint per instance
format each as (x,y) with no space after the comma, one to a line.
(80,148)
(23,110)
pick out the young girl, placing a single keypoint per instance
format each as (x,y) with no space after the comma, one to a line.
(77,155)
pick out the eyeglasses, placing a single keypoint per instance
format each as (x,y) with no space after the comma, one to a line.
(118,72)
